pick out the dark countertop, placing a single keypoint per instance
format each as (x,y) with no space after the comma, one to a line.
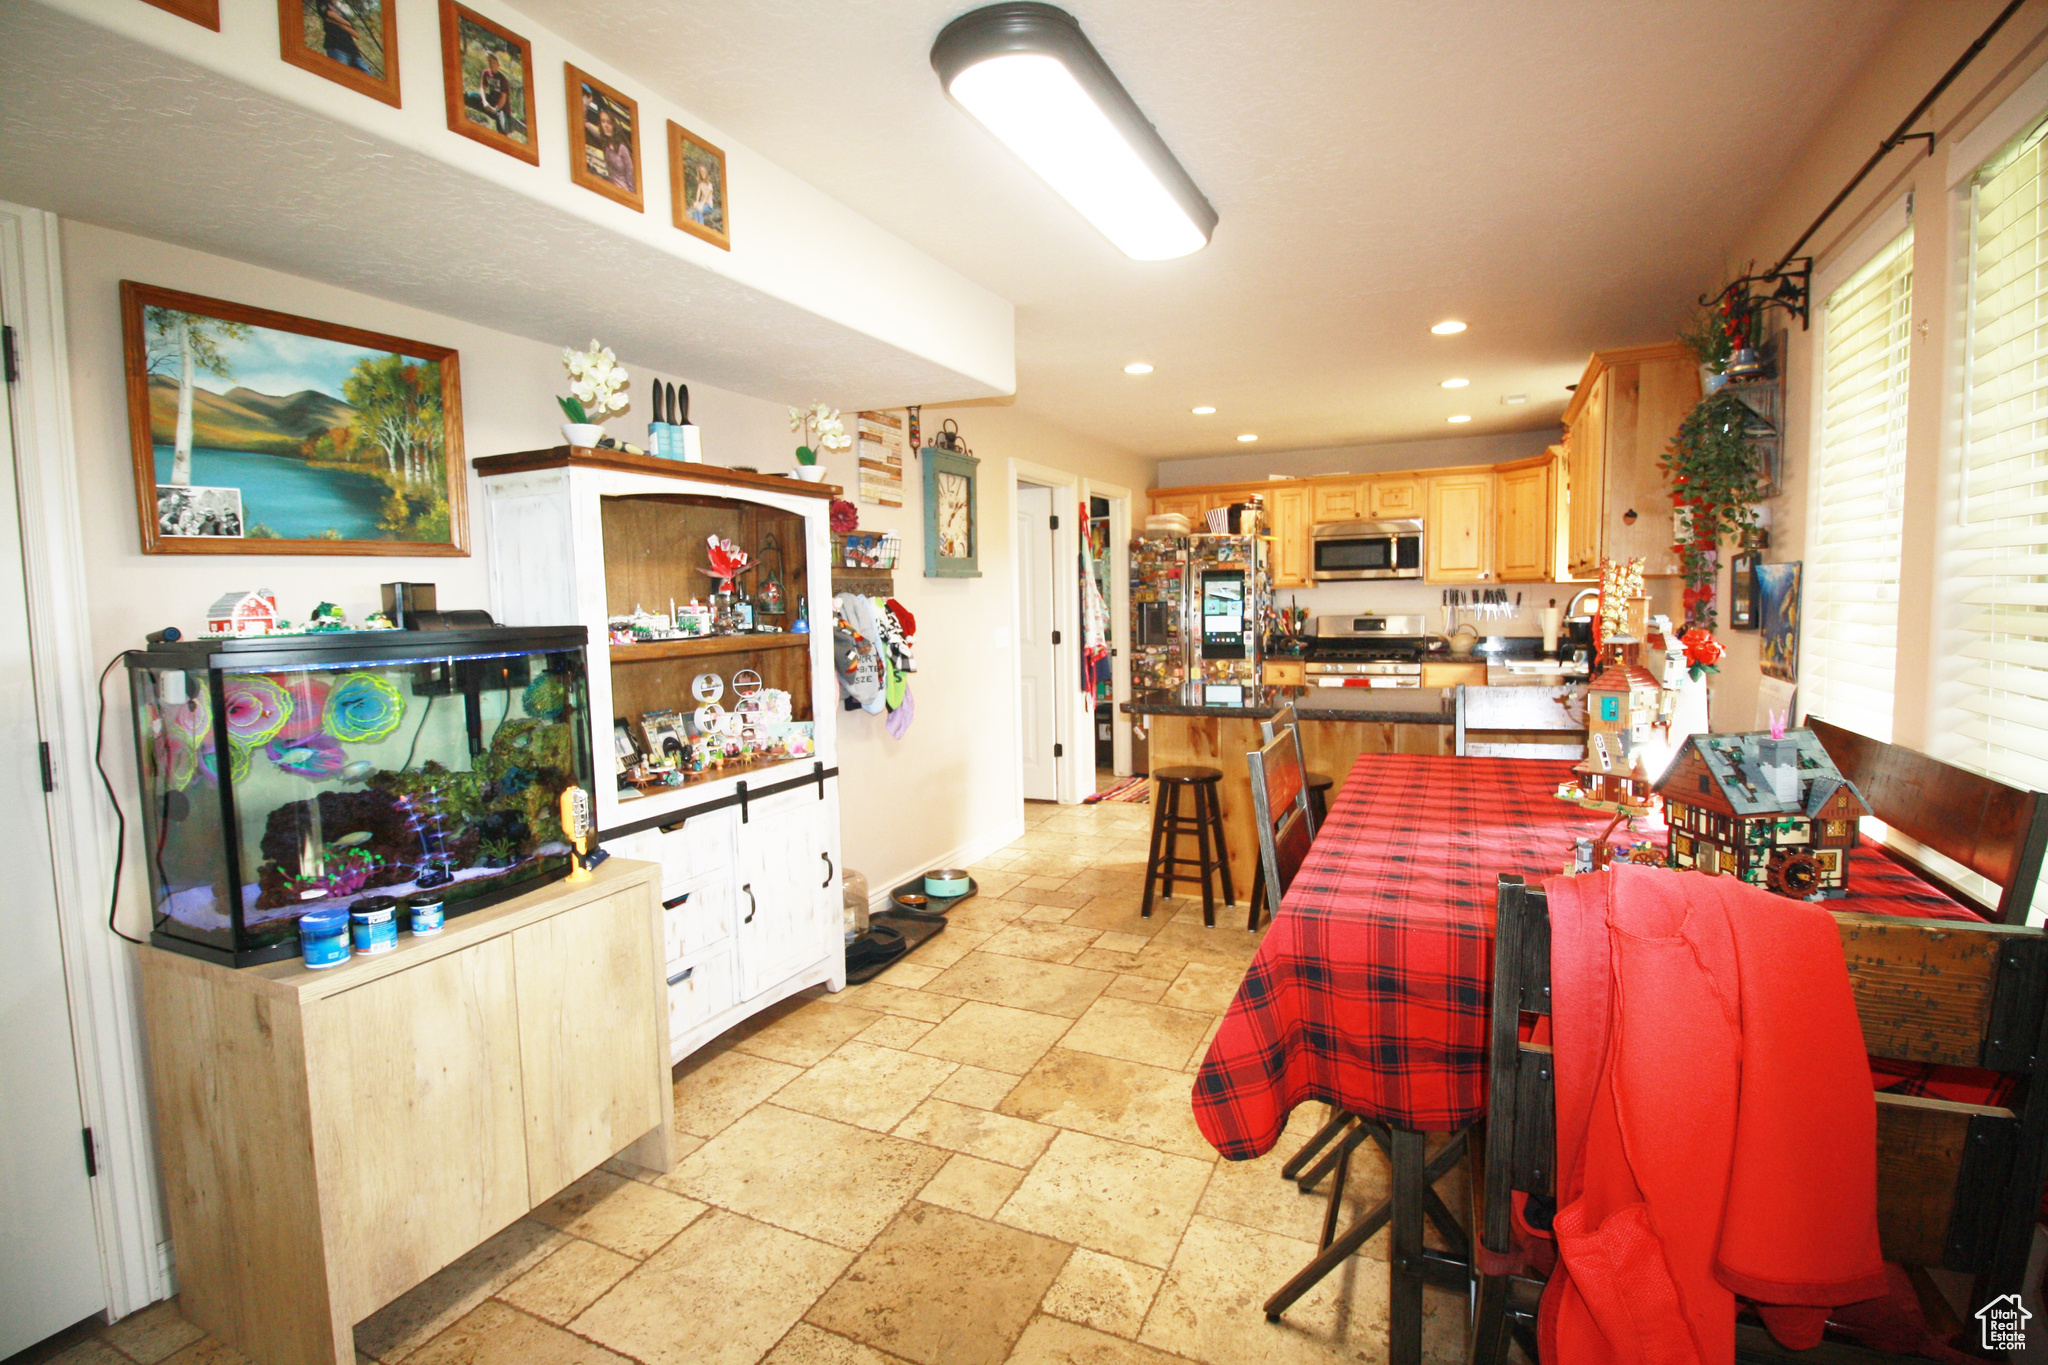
(1398,705)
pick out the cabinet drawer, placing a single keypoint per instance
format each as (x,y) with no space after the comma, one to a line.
(695,919)
(699,992)
(702,846)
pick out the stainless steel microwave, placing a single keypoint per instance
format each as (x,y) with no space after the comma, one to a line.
(1365,549)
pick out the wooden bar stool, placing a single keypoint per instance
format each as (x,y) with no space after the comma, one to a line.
(1205,823)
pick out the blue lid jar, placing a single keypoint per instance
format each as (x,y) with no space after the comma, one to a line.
(373,920)
(324,938)
(426,912)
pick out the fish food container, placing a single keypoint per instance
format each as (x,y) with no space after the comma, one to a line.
(373,921)
(946,881)
(282,774)
(323,938)
(426,912)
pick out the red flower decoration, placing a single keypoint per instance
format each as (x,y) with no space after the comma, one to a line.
(1702,650)
(844,516)
(728,560)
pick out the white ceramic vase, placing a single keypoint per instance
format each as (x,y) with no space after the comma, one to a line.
(586,434)
(811,473)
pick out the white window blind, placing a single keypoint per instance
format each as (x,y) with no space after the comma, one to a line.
(1849,646)
(2002,561)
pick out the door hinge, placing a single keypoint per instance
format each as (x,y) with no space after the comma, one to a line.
(1059,751)
(43,756)
(92,1165)
(12,365)
(1055,637)
(1055,516)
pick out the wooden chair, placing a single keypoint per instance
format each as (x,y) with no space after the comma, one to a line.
(1996,831)
(1958,1184)
(1281,814)
(1287,722)
(1532,712)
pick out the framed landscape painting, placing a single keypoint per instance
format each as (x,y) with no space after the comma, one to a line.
(604,140)
(487,71)
(350,42)
(257,432)
(696,178)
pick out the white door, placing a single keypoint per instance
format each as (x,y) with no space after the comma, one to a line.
(783,919)
(1035,726)
(49,1246)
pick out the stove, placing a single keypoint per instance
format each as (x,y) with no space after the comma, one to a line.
(1366,651)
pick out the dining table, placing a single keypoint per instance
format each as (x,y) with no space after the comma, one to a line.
(1370,994)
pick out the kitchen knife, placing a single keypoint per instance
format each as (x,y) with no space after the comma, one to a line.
(684,419)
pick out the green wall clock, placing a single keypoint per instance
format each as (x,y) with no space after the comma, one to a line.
(952,514)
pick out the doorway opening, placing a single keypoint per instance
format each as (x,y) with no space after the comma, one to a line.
(1039,748)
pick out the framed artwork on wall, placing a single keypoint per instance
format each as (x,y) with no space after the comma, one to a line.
(205,13)
(487,74)
(952,514)
(1777,611)
(696,178)
(1742,590)
(350,42)
(604,140)
(260,433)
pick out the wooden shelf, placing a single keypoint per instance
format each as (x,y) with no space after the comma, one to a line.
(701,645)
(653,795)
(585,457)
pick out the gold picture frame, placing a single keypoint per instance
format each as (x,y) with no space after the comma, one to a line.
(604,158)
(697,190)
(501,118)
(350,42)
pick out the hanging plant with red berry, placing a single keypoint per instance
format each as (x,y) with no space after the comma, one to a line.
(1716,482)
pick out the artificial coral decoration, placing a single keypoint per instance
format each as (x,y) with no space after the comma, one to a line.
(597,386)
(257,709)
(363,708)
(820,423)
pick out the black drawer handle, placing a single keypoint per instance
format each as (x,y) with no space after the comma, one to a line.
(680,977)
(752,906)
(672,904)
(829,869)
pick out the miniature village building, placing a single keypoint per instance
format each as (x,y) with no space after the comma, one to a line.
(243,613)
(1774,812)
(1621,713)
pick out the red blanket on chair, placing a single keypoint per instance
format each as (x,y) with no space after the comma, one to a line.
(1716,1133)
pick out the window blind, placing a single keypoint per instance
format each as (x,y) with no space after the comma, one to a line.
(1849,645)
(2002,559)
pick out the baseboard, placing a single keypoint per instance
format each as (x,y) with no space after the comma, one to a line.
(965,855)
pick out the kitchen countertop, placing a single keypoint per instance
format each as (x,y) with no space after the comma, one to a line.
(1398,705)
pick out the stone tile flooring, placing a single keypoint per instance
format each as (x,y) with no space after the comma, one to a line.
(985,1155)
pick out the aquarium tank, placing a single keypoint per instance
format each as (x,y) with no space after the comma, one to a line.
(288,773)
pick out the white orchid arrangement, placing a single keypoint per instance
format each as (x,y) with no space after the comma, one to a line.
(821,424)
(597,385)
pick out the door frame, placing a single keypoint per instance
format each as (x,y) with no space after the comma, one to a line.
(1072,726)
(100,969)
(1119,499)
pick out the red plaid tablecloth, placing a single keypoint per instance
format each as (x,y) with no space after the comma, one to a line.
(1370,989)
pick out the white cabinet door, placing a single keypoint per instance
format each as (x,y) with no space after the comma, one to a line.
(783,864)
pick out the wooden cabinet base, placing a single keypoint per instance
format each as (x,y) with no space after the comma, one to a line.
(1331,747)
(330,1139)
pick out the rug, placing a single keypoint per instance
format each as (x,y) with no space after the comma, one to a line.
(1134,790)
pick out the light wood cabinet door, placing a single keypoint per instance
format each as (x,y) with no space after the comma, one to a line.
(1282,673)
(1389,499)
(1287,510)
(589,990)
(1527,548)
(1586,470)
(1338,501)
(1188,505)
(1458,530)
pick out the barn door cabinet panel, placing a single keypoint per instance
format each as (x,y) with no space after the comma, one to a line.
(330,1139)
(1618,425)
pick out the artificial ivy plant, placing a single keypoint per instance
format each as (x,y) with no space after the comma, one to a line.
(1715,476)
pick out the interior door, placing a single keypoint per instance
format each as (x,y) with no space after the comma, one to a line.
(49,1244)
(1035,725)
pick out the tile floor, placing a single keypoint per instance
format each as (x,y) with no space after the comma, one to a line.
(984,1155)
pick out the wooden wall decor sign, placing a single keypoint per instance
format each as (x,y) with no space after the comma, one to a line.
(696,177)
(487,76)
(256,432)
(604,140)
(350,42)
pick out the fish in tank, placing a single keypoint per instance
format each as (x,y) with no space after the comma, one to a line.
(284,774)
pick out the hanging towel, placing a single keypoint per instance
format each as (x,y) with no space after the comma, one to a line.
(899,720)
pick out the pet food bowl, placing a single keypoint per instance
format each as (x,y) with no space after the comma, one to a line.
(946,881)
(911,900)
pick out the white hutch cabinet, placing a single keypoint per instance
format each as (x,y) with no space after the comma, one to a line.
(749,855)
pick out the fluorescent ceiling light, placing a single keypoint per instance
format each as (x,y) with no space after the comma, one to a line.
(1448,328)
(1203,411)
(1137,367)
(1248,436)
(1455,383)
(1462,417)
(1032,78)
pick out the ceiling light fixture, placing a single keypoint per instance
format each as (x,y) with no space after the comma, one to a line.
(1137,367)
(1032,78)
(1462,417)
(1248,436)
(1454,383)
(1203,411)
(1448,328)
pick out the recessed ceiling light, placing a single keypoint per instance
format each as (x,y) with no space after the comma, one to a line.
(1137,367)
(1514,400)
(1462,417)
(1454,383)
(1248,436)
(1203,411)
(1448,327)
(1032,78)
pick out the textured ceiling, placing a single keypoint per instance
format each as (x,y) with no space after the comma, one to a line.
(1562,176)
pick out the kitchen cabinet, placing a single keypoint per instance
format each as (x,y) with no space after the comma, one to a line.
(1282,673)
(1287,516)
(1532,515)
(1458,531)
(1395,498)
(1339,499)
(1189,505)
(329,1139)
(1620,421)
(1453,674)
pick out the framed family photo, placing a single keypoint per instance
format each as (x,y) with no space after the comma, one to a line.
(350,42)
(487,73)
(256,432)
(696,176)
(604,140)
(205,13)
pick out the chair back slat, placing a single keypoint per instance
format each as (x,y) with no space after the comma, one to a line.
(1281,811)
(1924,988)
(1920,1149)
(1997,831)
(1291,842)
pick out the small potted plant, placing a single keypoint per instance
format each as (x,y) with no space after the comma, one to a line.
(597,388)
(818,428)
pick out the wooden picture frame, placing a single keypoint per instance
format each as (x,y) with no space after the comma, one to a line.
(946,500)
(358,453)
(373,73)
(590,100)
(511,130)
(696,182)
(1777,611)
(205,13)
